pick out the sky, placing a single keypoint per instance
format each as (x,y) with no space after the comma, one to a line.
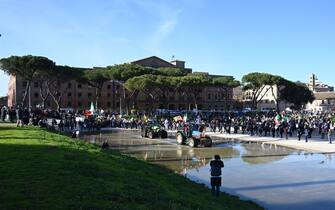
(291,38)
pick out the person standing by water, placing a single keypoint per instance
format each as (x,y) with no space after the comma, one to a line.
(330,128)
(216,166)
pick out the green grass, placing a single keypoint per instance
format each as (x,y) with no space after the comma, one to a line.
(44,170)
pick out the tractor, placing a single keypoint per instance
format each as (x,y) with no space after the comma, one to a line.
(193,135)
(153,130)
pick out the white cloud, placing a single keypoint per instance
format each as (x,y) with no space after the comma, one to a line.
(165,27)
(164,17)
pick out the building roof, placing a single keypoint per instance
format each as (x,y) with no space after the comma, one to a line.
(155,58)
(324,95)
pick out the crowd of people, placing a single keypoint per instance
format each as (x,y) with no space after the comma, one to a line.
(282,125)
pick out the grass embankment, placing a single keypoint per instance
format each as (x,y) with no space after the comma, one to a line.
(44,170)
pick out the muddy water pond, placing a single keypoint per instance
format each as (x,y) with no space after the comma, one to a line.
(275,177)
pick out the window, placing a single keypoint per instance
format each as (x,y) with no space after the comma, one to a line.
(108,103)
(79,95)
(69,85)
(35,84)
(36,94)
(69,94)
(108,86)
(89,95)
(108,95)
(79,86)
(24,83)
(79,104)
(209,96)
(69,104)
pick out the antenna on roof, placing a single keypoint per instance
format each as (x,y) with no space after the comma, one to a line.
(172,57)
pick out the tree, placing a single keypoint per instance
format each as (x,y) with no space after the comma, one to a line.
(193,85)
(28,67)
(164,85)
(145,84)
(298,94)
(258,85)
(43,79)
(170,71)
(277,84)
(96,78)
(59,76)
(124,72)
(225,83)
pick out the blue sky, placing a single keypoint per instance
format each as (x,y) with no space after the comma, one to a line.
(292,38)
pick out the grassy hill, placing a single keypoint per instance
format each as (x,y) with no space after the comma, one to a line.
(44,170)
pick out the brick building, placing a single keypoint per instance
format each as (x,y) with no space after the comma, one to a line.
(79,96)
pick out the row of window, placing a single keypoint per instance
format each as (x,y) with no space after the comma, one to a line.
(79,104)
(69,94)
(217,96)
(69,85)
(89,95)
(328,102)
(192,106)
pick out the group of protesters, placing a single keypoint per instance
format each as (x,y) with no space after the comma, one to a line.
(282,125)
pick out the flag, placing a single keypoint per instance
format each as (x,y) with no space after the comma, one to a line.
(185,118)
(92,107)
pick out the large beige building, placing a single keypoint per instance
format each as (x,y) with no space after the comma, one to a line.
(324,101)
(324,95)
(266,99)
(114,97)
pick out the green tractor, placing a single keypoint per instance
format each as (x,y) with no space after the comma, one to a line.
(193,135)
(152,131)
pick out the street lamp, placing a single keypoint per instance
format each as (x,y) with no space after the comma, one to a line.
(124,95)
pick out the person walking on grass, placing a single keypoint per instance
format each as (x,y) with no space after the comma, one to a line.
(216,166)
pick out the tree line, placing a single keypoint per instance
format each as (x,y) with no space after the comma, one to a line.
(281,89)
(154,83)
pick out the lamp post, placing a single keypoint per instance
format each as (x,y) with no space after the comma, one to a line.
(29,99)
(120,105)
(119,83)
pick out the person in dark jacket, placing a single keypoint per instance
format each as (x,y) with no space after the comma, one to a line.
(216,166)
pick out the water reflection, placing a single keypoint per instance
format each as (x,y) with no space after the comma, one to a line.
(259,153)
(182,158)
(277,177)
